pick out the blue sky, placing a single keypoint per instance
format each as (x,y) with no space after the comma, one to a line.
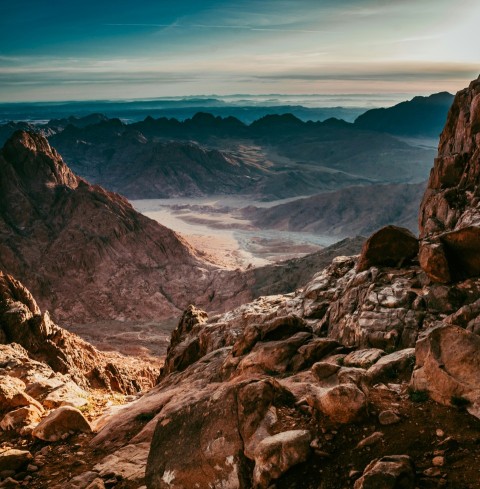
(64,50)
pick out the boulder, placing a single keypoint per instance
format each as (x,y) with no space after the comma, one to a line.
(13,459)
(67,394)
(60,424)
(363,358)
(433,260)
(198,441)
(448,367)
(461,248)
(12,394)
(390,246)
(20,418)
(390,472)
(276,454)
(391,366)
(343,403)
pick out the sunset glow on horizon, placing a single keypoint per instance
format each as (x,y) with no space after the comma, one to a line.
(126,49)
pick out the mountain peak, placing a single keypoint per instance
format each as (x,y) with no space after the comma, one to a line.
(35,163)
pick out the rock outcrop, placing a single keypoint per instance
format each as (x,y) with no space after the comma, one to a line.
(46,358)
(449,217)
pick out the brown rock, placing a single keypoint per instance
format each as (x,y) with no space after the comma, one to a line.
(343,403)
(390,472)
(58,350)
(276,454)
(448,366)
(61,422)
(390,246)
(450,202)
(363,358)
(12,394)
(20,418)
(462,246)
(433,260)
(392,365)
(370,440)
(388,417)
(12,459)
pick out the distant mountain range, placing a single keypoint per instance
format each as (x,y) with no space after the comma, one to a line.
(421,116)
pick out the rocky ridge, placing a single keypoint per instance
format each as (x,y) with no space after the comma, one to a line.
(82,250)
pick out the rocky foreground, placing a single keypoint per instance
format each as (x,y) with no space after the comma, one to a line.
(367,377)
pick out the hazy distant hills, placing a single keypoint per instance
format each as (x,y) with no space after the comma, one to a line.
(421,116)
(277,156)
(247,110)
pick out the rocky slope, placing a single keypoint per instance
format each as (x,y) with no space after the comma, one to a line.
(83,252)
(321,387)
(354,210)
(86,254)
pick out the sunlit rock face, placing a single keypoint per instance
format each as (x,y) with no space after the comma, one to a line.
(449,217)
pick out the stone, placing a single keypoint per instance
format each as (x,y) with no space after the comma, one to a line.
(20,418)
(67,394)
(276,454)
(9,483)
(392,366)
(12,394)
(372,439)
(390,246)
(388,417)
(448,366)
(462,247)
(363,358)
(432,472)
(13,459)
(128,463)
(438,461)
(389,472)
(63,421)
(83,480)
(323,370)
(343,403)
(433,260)
(96,484)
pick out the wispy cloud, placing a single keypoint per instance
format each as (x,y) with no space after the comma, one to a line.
(215,26)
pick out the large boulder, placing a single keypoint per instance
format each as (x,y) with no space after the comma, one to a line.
(21,418)
(342,403)
(390,472)
(448,367)
(275,454)
(60,424)
(13,459)
(390,246)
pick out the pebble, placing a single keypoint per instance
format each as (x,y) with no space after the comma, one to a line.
(370,440)
(31,468)
(432,472)
(440,433)
(438,461)
(388,417)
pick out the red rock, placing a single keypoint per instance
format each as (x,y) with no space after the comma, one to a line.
(434,262)
(389,246)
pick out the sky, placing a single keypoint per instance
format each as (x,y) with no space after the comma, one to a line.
(125,49)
